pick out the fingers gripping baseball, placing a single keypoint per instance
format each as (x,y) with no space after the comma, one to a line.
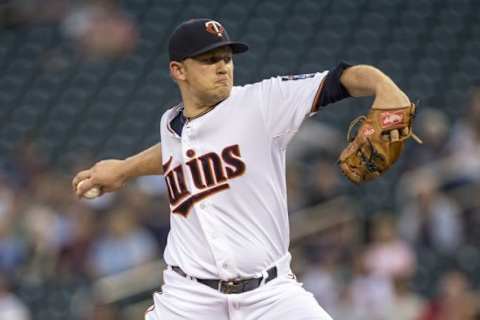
(86,189)
(104,176)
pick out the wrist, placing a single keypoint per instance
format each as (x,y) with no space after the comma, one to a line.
(389,96)
(128,168)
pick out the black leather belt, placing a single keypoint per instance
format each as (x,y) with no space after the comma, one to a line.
(231,286)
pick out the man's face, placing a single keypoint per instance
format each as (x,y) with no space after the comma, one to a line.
(209,76)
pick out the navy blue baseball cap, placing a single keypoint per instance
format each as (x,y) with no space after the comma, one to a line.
(196,36)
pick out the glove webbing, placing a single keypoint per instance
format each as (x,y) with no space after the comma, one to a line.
(370,164)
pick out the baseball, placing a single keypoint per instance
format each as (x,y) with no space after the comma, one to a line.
(91,193)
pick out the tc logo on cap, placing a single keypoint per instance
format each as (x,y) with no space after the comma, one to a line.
(214,27)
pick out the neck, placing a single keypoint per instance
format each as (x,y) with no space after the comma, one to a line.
(194,111)
(195,107)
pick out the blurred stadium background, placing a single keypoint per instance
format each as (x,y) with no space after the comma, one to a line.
(86,80)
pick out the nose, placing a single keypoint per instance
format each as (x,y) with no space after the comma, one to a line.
(221,67)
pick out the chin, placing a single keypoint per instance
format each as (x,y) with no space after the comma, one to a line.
(224,93)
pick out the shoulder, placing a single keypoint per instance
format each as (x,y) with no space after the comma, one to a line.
(171,112)
(284,80)
(259,83)
(255,86)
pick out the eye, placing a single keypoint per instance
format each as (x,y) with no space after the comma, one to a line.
(215,59)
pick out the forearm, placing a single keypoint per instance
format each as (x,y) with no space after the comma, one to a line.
(363,80)
(147,162)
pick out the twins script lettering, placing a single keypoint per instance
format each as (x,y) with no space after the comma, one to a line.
(210,174)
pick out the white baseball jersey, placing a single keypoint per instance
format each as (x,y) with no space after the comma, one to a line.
(226,180)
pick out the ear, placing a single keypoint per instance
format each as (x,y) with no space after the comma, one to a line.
(177,70)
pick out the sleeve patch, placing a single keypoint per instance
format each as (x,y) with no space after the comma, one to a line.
(298,76)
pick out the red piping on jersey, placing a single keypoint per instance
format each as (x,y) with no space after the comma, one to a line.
(317,96)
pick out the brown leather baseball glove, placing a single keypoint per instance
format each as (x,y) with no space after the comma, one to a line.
(377,143)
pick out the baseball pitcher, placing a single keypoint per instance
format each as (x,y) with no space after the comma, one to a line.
(222,154)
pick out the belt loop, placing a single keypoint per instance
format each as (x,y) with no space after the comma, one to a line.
(264,277)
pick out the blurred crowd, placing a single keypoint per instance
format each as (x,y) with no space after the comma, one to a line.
(50,241)
(419,260)
(53,246)
(97,28)
(412,254)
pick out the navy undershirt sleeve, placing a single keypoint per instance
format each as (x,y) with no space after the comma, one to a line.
(333,90)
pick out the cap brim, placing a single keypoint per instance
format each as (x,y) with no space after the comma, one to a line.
(237,47)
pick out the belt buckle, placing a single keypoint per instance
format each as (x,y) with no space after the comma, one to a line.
(230,286)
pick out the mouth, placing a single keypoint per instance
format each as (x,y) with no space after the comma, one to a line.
(222,84)
(222,80)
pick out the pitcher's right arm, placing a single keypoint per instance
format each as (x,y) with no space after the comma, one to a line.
(110,175)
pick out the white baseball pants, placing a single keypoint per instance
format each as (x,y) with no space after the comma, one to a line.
(282,298)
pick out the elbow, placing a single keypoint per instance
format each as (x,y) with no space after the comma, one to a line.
(364,80)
